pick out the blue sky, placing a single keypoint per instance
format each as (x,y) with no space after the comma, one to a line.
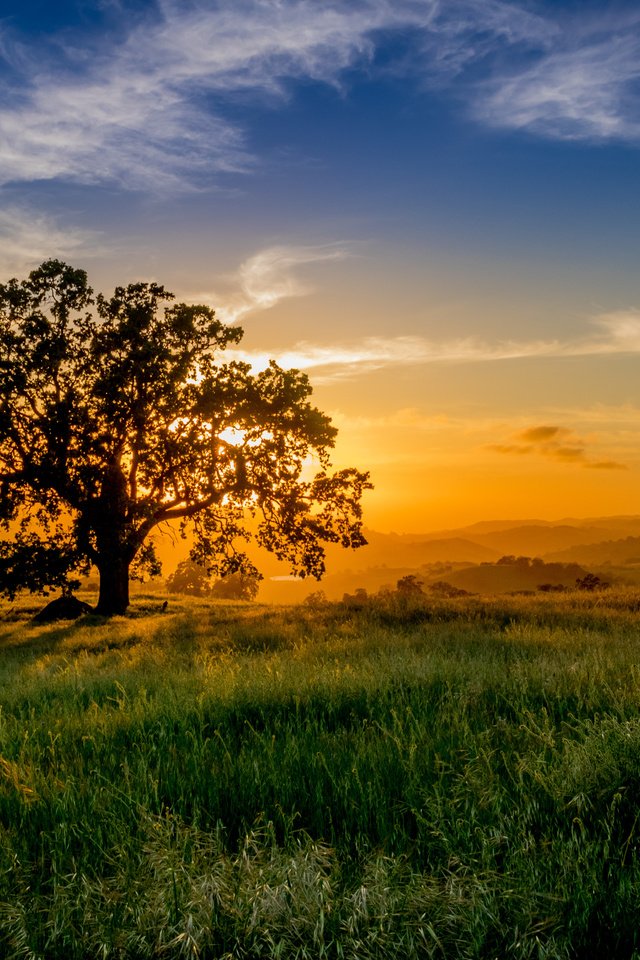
(431,206)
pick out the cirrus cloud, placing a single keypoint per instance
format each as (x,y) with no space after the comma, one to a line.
(151,105)
(28,237)
(616,333)
(269,276)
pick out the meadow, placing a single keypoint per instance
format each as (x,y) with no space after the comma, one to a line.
(453,778)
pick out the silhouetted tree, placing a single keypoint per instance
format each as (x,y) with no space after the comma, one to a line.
(189,578)
(236,586)
(524,562)
(357,599)
(410,586)
(443,589)
(315,600)
(117,414)
(590,581)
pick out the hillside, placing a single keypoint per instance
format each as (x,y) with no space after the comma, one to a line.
(537,541)
(485,541)
(625,552)
(414,550)
(254,782)
(496,578)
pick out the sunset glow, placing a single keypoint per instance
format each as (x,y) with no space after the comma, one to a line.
(428,207)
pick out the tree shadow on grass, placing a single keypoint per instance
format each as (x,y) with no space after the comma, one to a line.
(32,640)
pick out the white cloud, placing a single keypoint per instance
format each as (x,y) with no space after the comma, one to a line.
(148,113)
(615,333)
(268,277)
(332,362)
(619,332)
(150,109)
(272,275)
(578,93)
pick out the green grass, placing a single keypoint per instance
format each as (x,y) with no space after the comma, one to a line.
(237,781)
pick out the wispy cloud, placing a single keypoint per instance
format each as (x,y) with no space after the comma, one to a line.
(554,443)
(624,417)
(338,361)
(540,434)
(617,332)
(27,238)
(269,276)
(152,111)
(150,106)
(583,92)
(609,334)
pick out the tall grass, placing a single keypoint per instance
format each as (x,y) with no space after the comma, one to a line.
(452,780)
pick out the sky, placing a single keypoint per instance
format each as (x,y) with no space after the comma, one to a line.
(432,207)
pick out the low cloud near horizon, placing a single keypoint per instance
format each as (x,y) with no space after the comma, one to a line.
(272,274)
(606,335)
(554,443)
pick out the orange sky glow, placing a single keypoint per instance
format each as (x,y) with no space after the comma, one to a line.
(429,207)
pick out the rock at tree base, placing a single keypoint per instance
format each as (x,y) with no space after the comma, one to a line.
(63,608)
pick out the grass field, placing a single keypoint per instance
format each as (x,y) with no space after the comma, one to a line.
(460,779)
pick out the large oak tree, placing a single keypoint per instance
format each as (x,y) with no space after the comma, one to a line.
(119,414)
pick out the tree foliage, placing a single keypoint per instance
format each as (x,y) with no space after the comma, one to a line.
(118,414)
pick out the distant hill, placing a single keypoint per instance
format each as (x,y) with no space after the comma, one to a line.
(534,537)
(570,548)
(335,585)
(483,527)
(498,537)
(585,542)
(413,550)
(624,552)
(537,541)
(627,525)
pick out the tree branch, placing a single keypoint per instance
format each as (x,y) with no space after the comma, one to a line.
(181,513)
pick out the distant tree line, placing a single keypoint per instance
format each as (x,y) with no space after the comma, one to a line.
(411,588)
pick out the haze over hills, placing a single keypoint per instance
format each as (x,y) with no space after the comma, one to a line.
(466,557)
(537,541)
(411,550)
(625,552)
(630,522)
(445,554)
(483,542)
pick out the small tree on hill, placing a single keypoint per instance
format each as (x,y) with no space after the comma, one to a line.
(316,600)
(118,414)
(189,578)
(410,586)
(590,581)
(236,586)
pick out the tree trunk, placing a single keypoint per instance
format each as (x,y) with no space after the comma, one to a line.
(114,586)
(114,551)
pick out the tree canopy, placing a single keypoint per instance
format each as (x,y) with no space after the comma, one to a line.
(118,414)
